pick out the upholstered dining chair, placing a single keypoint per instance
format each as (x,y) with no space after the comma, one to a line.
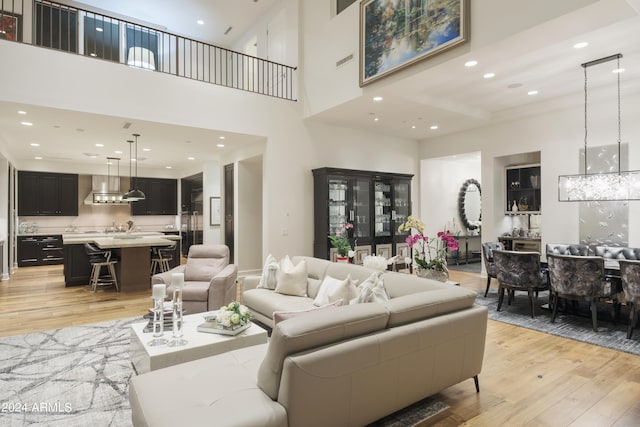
(630,274)
(487,255)
(519,271)
(577,278)
(567,249)
(209,279)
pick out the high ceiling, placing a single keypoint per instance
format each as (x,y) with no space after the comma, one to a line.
(440,91)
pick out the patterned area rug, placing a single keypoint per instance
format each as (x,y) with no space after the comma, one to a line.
(79,376)
(573,324)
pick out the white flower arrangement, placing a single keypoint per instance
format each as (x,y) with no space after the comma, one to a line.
(234,314)
(375,262)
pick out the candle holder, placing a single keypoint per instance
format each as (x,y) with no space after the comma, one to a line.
(177,281)
(158,294)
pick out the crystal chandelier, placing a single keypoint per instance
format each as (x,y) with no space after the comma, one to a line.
(609,186)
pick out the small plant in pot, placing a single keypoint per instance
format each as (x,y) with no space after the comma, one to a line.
(341,242)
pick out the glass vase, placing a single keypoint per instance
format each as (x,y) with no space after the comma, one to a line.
(177,281)
(429,273)
(159,293)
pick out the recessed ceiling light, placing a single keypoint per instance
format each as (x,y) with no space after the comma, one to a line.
(118,152)
(220,145)
(618,70)
(472,63)
(22,112)
(433,127)
(221,137)
(376,119)
(35,144)
(377,98)
(200,22)
(99,29)
(489,75)
(191,158)
(93,156)
(580,45)
(168,167)
(99,145)
(146,149)
(26,123)
(93,54)
(532,92)
(413,127)
(38,158)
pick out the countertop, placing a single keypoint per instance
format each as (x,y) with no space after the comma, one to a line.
(133,239)
(519,238)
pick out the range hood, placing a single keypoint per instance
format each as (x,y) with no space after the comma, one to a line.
(105,190)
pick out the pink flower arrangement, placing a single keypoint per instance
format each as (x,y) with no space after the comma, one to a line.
(430,253)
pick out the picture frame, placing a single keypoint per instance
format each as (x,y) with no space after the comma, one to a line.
(214,210)
(10,26)
(397,33)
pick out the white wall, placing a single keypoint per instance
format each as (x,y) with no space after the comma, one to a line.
(441,179)
(211,178)
(249,214)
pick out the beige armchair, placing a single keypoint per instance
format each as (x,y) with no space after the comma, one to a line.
(209,279)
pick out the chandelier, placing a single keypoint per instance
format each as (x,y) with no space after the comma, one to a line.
(608,186)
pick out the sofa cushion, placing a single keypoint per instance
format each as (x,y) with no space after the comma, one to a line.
(341,271)
(205,261)
(292,279)
(399,284)
(316,270)
(265,301)
(279,316)
(313,330)
(423,305)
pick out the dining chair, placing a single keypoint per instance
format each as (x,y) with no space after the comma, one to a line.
(630,274)
(487,255)
(578,278)
(519,271)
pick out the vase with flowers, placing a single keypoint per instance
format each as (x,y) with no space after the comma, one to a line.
(429,254)
(341,242)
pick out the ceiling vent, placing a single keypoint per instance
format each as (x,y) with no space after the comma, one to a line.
(344,60)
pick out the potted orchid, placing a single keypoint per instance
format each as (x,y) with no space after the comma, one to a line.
(341,242)
(429,253)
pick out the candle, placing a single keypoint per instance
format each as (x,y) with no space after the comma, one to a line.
(159,291)
(177,280)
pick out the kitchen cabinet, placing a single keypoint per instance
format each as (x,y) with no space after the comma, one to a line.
(523,189)
(373,203)
(40,250)
(77,268)
(161,197)
(47,194)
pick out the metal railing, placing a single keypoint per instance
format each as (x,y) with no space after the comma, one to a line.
(71,29)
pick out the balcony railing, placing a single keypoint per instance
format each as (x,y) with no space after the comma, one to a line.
(70,29)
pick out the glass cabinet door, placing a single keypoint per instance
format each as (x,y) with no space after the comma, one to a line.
(361,209)
(382,216)
(402,207)
(337,205)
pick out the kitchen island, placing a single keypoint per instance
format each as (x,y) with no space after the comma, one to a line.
(132,249)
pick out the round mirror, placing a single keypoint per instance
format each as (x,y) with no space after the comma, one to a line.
(469,204)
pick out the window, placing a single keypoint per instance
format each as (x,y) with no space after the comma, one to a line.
(343,4)
(142,47)
(56,27)
(101,38)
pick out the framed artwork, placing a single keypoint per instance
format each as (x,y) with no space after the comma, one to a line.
(214,210)
(10,27)
(398,33)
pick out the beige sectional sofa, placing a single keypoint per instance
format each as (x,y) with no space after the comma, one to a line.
(347,366)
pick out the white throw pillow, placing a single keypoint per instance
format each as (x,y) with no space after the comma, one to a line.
(345,291)
(371,290)
(269,273)
(292,279)
(328,284)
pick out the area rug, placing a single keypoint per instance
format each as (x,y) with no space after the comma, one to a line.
(79,376)
(574,325)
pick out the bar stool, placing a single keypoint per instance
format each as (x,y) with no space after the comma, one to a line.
(101,258)
(161,256)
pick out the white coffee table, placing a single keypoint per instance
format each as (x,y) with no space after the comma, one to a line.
(145,358)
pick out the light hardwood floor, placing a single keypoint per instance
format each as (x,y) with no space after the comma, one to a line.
(528,379)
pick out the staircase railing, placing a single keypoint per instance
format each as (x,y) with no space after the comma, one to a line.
(72,29)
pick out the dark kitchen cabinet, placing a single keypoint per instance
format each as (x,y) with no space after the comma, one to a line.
(47,194)
(371,204)
(161,197)
(40,250)
(77,268)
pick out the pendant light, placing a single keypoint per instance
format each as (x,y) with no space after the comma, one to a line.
(608,186)
(134,194)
